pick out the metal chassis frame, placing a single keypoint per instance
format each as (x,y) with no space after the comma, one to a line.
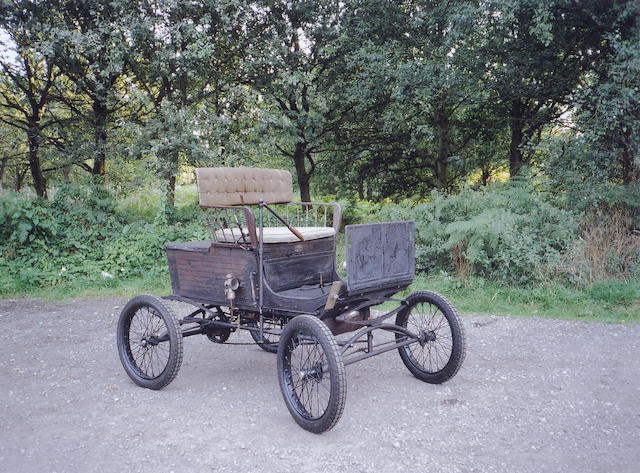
(349,352)
(204,323)
(350,357)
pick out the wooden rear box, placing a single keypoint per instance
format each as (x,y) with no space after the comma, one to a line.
(198,269)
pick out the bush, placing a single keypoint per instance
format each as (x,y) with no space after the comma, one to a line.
(505,232)
(25,222)
(139,248)
(83,234)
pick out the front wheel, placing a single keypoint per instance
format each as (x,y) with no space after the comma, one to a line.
(311,374)
(439,352)
(149,342)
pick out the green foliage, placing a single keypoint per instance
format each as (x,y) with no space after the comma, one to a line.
(83,235)
(139,248)
(143,202)
(85,205)
(506,232)
(399,97)
(365,100)
(359,211)
(25,221)
(84,242)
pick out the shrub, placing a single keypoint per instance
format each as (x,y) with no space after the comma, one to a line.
(608,248)
(139,248)
(25,222)
(505,232)
(82,234)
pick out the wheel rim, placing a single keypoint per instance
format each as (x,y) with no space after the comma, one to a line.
(147,342)
(435,347)
(307,378)
(269,338)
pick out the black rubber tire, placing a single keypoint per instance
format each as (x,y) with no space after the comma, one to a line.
(440,310)
(317,339)
(268,347)
(166,324)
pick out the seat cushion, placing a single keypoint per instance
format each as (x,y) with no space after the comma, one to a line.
(243,186)
(276,234)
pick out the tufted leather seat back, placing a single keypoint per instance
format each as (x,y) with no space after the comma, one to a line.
(243,186)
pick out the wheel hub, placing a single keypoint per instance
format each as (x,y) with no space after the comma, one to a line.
(217,334)
(312,373)
(425,337)
(149,341)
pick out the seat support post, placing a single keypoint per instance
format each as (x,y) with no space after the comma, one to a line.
(260,267)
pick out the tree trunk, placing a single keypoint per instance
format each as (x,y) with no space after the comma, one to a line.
(3,167)
(442,132)
(369,192)
(20,174)
(171,178)
(628,168)
(171,192)
(486,174)
(65,174)
(299,157)
(100,117)
(636,169)
(516,159)
(39,182)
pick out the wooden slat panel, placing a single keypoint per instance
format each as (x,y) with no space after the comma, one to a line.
(287,273)
(201,275)
(278,250)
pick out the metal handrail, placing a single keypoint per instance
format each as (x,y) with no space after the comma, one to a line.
(241,220)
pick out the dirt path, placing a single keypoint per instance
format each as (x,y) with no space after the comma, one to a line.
(533,395)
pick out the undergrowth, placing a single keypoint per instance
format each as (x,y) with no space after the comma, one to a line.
(82,237)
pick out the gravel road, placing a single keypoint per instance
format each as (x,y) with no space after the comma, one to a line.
(533,395)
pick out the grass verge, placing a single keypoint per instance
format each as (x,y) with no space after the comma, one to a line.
(604,301)
(84,287)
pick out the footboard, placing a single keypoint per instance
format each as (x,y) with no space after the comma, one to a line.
(379,255)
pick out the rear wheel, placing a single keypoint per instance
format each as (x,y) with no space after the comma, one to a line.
(149,342)
(269,341)
(440,351)
(218,334)
(311,374)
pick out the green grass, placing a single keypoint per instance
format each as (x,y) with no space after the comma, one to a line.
(605,301)
(91,288)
